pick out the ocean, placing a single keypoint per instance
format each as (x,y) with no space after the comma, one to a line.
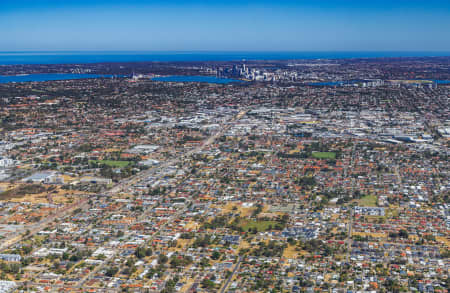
(48,77)
(11,58)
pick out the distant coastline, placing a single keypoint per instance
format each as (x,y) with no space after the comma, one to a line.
(80,57)
(49,77)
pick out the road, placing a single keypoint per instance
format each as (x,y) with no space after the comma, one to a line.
(123,185)
(116,251)
(35,228)
(144,174)
(349,236)
(397,174)
(350,220)
(236,267)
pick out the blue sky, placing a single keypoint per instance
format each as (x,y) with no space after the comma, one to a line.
(314,25)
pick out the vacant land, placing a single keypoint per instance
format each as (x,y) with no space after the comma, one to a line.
(116,164)
(324,155)
(368,201)
(23,190)
(261,226)
(293,251)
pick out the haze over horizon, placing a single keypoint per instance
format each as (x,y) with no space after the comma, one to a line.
(225,26)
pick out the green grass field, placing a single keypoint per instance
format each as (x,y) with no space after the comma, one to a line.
(324,155)
(260,225)
(368,201)
(116,164)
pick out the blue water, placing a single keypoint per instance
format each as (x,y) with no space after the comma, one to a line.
(330,83)
(341,83)
(8,58)
(188,78)
(334,83)
(47,77)
(173,78)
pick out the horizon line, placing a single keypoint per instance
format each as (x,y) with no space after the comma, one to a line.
(229,51)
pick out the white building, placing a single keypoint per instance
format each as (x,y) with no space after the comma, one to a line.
(6,162)
(10,257)
(49,177)
(144,149)
(7,286)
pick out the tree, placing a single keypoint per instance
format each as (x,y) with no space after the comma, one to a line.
(204,262)
(111,271)
(403,233)
(215,255)
(208,284)
(291,241)
(142,252)
(162,258)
